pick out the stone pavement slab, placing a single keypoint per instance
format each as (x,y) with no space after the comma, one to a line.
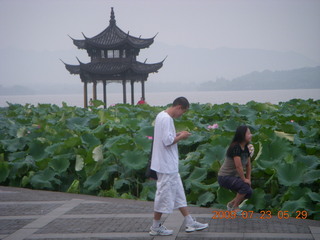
(31,214)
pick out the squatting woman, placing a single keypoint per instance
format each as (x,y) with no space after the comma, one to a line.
(235,172)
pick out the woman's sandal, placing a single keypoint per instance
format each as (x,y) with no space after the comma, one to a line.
(229,208)
(238,212)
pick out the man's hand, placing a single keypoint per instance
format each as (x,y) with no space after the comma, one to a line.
(183,134)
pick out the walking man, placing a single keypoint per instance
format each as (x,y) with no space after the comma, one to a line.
(165,161)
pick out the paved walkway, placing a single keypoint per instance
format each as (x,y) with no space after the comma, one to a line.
(30,214)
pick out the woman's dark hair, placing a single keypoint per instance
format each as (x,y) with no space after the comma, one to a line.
(182,101)
(239,137)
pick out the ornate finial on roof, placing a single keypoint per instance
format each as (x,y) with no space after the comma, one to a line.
(112,18)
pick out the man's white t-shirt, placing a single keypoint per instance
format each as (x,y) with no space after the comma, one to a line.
(165,157)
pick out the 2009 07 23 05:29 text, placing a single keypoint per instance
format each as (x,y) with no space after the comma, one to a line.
(264,215)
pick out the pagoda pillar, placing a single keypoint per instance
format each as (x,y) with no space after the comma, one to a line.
(105,93)
(143,89)
(124,91)
(132,92)
(94,90)
(85,94)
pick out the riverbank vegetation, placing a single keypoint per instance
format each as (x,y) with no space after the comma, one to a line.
(105,151)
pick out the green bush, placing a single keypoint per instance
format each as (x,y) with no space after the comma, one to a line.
(105,152)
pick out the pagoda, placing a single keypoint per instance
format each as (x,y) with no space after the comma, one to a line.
(113,56)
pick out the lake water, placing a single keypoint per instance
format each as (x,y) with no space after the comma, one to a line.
(163,98)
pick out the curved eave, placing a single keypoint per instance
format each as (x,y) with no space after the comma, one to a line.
(73,69)
(144,68)
(80,43)
(115,45)
(113,37)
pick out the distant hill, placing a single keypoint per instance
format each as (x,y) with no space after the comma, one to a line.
(183,70)
(196,65)
(303,78)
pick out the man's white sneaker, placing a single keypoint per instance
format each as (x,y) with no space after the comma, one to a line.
(196,226)
(160,231)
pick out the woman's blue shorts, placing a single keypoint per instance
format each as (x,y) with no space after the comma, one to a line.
(235,184)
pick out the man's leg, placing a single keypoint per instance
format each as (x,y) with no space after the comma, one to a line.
(157,216)
(160,201)
(184,211)
(191,224)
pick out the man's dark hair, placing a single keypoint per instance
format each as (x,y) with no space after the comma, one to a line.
(182,101)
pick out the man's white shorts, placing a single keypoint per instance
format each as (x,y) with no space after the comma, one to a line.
(170,193)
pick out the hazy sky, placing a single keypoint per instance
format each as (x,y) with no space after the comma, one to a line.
(281,25)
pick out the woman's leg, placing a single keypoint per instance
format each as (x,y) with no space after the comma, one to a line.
(238,200)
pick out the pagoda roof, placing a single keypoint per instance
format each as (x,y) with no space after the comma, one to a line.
(113,67)
(113,37)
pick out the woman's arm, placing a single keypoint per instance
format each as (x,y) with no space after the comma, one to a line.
(248,169)
(239,167)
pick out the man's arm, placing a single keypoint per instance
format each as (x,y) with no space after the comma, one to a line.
(180,136)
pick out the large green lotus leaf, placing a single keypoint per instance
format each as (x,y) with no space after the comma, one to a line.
(314,196)
(16,156)
(261,107)
(93,182)
(184,125)
(290,174)
(13,145)
(4,171)
(44,179)
(56,148)
(224,195)
(119,183)
(293,206)
(37,150)
(72,142)
(147,131)
(194,138)
(205,198)
(311,161)
(21,167)
(142,142)
(265,122)
(311,176)
(258,199)
(134,159)
(148,190)
(78,123)
(184,169)
(192,157)
(197,175)
(132,124)
(273,152)
(90,140)
(60,163)
(250,114)
(213,154)
(97,103)
(222,138)
(287,136)
(118,144)
(230,125)
(294,193)
(198,186)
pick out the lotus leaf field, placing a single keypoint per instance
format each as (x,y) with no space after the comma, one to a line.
(105,151)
